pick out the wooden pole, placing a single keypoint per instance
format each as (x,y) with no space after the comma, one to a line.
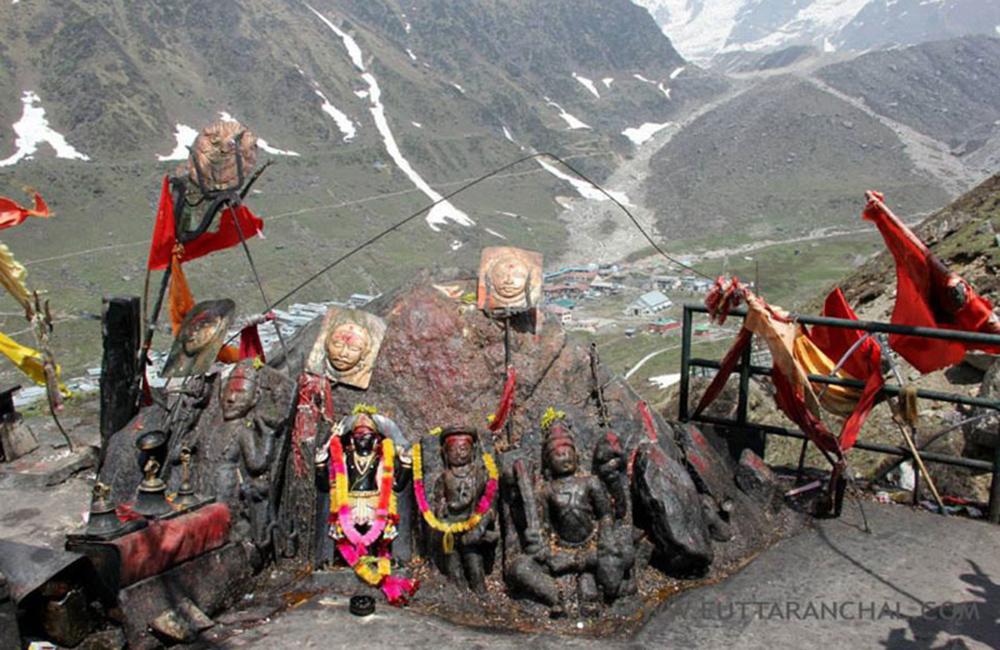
(121,326)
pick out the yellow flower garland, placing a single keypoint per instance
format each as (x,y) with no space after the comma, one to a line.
(429,517)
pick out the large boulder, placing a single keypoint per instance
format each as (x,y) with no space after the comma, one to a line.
(669,506)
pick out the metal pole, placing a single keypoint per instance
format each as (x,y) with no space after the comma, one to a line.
(893,450)
(802,460)
(506,366)
(995,486)
(685,387)
(888,390)
(874,326)
(744,398)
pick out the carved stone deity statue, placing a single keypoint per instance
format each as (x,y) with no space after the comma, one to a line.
(359,441)
(510,280)
(457,493)
(248,450)
(577,538)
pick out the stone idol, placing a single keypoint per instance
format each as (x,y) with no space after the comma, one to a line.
(346,349)
(199,338)
(510,280)
(576,541)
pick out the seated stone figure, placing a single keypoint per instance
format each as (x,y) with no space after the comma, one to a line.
(577,537)
(457,493)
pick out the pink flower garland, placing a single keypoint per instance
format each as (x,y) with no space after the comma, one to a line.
(338,471)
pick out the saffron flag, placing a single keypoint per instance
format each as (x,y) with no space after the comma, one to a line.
(12,277)
(12,214)
(232,222)
(864,363)
(28,360)
(928,295)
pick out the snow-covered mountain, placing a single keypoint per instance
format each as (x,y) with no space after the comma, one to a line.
(701,29)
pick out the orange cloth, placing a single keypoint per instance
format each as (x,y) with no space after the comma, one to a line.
(181,300)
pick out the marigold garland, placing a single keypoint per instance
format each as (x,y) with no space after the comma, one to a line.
(367,409)
(550,416)
(451,529)
(341,515)
(351,544)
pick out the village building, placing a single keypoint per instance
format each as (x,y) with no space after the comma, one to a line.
(564,314)
(571,291)
(648,304)
(664,326)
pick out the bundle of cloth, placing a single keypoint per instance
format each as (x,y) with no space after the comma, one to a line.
(928,294)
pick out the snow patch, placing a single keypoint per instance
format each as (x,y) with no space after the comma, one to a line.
(444,211)
(828,46)
(417,124)
(410,53)
(664,90)
(506,134)
(588,84)
(507,214)
(353,50)
(607,81)
(583,188)
(455,245)
(460,89)
(643,79)
(33,129)
(572,121)
(274,151)
(343,122)
(665,381)
(495,233)
(363,94)
(640,134)
(820,16)
(677,72)
(226,117)
(997,28)
(185,137)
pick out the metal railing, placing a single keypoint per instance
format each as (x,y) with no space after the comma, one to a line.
(747,369)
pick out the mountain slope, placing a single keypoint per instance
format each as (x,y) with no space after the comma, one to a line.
(783,158)
(370,110)
(949,90)
(794,151)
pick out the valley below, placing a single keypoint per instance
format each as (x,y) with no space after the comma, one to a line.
(756,169)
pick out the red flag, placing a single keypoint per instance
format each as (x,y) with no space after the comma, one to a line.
(250,344)
(227,235)
(928,295)
(506,401)
(13,214)
(865,363)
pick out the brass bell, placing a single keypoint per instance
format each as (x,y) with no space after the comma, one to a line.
(103,522)
(186,498)
(152,498)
